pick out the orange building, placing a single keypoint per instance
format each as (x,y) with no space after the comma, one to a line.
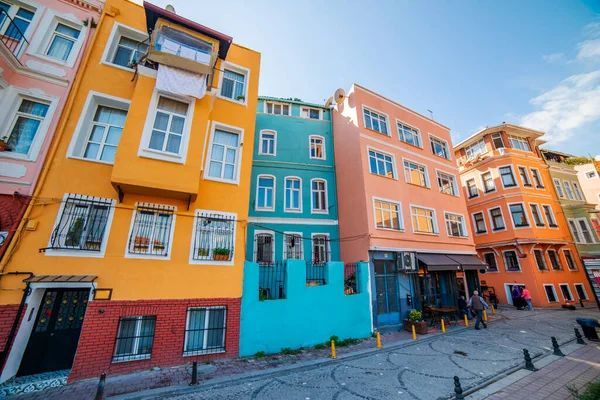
(518,224)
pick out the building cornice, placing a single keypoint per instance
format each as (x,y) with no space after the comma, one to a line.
(19,69)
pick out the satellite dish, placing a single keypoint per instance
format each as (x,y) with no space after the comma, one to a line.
(328,102)
(339,96)
(169,7)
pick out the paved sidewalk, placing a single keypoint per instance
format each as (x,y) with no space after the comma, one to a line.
(553,381)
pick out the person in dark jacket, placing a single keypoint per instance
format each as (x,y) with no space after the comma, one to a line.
(478,305)
(463,307)
(516,297)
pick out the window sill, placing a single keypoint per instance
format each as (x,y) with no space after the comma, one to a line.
(510,186)
(421,186)
(132,358)
(499,229)
(442,157)
(513,271)
(540,187)
(319,212)
(202,352)
(458,237)
(472,197)
(221,180)
(74,253)
(161,156)
(147,256)
(91,160)
(389,229)
(384,176)
(16,156)
(481,233)
(410,144)
(427,233)
(489,191)
(53,60)
(267,154)
(239,103)
(318,158)
(213,263)
(109,64)
(449,194)
(292,210)
(377,132)
(265,209)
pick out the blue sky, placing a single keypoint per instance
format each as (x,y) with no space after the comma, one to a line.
(474,63)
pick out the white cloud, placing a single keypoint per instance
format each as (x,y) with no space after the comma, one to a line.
(588,49)
(592,30)
(562,110)
(552,58)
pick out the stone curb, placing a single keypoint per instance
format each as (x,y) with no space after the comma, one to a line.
(184,389)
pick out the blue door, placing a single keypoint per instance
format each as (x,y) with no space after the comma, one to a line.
(386,288)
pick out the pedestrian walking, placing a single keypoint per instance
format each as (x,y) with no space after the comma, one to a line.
(478,304)
(526,295)
(463,308)
(518,302)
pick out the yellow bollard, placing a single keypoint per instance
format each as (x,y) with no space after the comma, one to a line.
(493,311)
(443,326)
(378,341)
(333,355)
(414,333)
(485,316)
(466,321)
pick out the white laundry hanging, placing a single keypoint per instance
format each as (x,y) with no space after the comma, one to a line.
(180,82)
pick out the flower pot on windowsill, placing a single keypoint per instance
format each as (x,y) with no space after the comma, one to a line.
(220,254)
(420,326)
(202,252)
(3,145)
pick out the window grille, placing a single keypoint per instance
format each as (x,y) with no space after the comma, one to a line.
(134,338)
(151,231)
(264,248)
(82,224)
(205,330)
(214,237)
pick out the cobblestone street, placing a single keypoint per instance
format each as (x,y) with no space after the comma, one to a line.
(423,369)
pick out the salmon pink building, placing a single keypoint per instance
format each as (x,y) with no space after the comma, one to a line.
(42,44)
(519,227)
(400,206)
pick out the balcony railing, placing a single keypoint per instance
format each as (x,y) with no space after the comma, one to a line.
(271,281)
(11,36)
(315,273)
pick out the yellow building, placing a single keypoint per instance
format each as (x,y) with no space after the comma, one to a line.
(135,236)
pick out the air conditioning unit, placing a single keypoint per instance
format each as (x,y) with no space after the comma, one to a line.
(408,261)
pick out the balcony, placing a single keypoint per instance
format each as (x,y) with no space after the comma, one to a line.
(12,38)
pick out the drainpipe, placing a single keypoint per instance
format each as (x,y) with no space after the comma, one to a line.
(53,148)
(15,324)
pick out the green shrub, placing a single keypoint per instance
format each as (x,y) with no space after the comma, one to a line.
(415,316)
(592,392)
(319,346)
(290,352)
(260,354)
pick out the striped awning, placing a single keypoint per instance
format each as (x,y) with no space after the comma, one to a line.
(61,279)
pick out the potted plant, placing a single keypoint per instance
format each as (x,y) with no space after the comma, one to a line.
(415,318)
(241,98)
(220,254)
(202,252)
(158,245)
(3,142)
(141,243)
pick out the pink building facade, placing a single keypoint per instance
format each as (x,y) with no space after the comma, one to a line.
(42,44)
(400,206)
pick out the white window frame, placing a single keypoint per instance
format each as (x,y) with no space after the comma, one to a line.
(255,246)
(468,191)
(436,230)
(495,260)
(380,114)
(539,175)
(426,173)
(512,171)
(260,143)
(553,290)
(521,140)
(582,286)
(400,216)
(136,340)
(433,138)
(169,249)
(463,223)
(239,70)
(84,125)
(327,245)
(560,285)
(419,137)
(110,50)
(14,8)
(208,309)
(575,232)
(505,263)
(476,149)
(572,258)
(312,205)
(238,154)
(274,103)
(568,190)
(302,108)
(40,42)
(594,174)
(323,151)
(145,150)
(81,253)
(529,182)
(498,134)
(455,191)
(477,233)
(543,260)
(384,153)
(558,187)
(486,192)
(489,210)
(551,224)
(9,116)
(540,214)
(512,220)
(300,239)
(591,230)
(199,213)
(256,206)
(577,191)
(285,195)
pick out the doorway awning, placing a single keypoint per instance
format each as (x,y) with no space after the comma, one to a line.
(438,262)
(468,262)
(61,279)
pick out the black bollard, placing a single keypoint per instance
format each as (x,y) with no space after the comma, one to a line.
(458,389)
(194,373)
(557,351)
(528,364)
(578,336)
(100,391)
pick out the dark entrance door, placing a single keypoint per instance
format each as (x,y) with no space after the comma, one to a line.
(55,335)
(386,285)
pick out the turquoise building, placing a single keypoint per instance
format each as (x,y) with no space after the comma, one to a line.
(293,204)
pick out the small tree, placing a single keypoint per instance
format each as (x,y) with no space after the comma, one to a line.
(579,160)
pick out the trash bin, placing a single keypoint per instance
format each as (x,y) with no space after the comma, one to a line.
(588,326)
